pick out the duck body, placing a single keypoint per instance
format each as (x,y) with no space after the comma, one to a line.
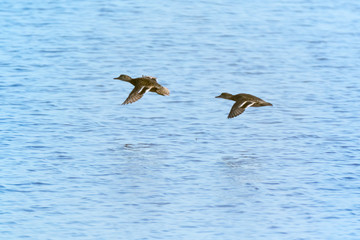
(142,85)
(243,101)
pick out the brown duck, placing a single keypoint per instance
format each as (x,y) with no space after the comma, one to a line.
(243,101)
(142,85)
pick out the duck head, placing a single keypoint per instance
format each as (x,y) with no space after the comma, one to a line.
(224,95)
(124,77)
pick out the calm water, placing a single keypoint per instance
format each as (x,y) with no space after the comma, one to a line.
(76,164)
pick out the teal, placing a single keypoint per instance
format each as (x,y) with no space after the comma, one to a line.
(243,101)
(142,85)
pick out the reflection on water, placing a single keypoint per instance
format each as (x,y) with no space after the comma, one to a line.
(76,164)
(138,146)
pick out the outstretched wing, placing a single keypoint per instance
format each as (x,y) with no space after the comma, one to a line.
(136,94)
(149,77)
(239,107)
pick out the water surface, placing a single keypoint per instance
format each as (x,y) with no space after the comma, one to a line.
(76,164)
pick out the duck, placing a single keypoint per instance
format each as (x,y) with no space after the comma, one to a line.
(242,101)
(142,85)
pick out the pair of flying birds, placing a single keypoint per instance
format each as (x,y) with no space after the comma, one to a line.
(145,84)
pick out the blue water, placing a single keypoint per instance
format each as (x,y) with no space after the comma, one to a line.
(76,164)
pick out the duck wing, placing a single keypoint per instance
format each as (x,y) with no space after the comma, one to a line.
(239,107)
(149,78)
(136,94)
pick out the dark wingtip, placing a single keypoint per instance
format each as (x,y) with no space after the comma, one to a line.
(230,116)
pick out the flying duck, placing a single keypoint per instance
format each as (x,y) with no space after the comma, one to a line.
(243,101)
(142,85)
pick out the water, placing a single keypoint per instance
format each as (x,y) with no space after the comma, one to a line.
(76,164)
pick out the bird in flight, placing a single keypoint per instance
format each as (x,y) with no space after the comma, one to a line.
(243,101)
(142,85)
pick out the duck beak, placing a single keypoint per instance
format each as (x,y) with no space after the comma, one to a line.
(217,96)
(117,78)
